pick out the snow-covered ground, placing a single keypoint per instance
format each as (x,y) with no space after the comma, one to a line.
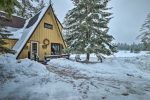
(124,76)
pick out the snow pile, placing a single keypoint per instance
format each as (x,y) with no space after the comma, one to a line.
(93,57)
(142,62)
(24,67)
(117,78)
(110,67)
(129,54)
(29,80)
(18,74)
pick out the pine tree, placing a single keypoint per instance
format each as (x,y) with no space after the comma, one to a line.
(145,30)
(86,28)
(40,6)
(7,6)
(27,8)
(3,36)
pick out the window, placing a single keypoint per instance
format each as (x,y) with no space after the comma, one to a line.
(49,26)
(55,49)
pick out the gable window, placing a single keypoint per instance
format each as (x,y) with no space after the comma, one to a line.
(47,25)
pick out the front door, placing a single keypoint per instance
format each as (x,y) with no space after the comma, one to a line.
(34,50)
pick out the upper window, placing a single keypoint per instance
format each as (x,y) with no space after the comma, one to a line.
(49,26)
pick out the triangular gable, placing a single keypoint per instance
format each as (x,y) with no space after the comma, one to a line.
(58,23)
(31,26)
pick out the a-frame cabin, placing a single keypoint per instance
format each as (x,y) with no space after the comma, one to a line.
(40,35)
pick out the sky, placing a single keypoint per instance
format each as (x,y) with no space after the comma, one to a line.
(128,17)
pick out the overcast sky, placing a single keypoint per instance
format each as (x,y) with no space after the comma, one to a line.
(128,15)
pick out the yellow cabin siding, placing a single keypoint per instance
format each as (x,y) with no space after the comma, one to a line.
(60,27)
(41,33)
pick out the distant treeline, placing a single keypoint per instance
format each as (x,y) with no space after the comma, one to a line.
(132,47)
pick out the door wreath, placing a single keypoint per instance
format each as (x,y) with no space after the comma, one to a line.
(46,42)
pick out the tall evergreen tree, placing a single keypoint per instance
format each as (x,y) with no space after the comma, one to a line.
(145,30)
(28,8)
(7,6)
(86,28)
(40,6)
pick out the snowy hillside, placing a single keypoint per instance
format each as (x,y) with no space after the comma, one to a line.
(117,78)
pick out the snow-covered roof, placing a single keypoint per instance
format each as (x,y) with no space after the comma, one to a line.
(13,21)
(28,29)
(12,25)
(15,33)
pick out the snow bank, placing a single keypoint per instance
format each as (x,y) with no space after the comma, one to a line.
(129,54)
(113,67)
(126,78)
(18,73)
(25,67)
(116,78)
(120,54)
(29,80)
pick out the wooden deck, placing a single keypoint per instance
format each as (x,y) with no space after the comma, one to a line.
(48,57)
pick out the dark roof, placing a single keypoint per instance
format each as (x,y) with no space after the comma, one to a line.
(13,21)
(33,20)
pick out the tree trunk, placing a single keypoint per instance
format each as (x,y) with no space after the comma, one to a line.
(87,57)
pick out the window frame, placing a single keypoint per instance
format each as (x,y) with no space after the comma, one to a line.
(58,52)
(32,42)
(48,26)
